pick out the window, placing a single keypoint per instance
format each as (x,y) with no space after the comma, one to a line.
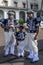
(22,15)
(34,6)
(31,6)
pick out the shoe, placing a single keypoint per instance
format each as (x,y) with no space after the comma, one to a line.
(5,55)
(35,59)
(20,55)
(12,54)
(30,56)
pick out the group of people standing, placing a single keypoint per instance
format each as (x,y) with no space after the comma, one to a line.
(21,36)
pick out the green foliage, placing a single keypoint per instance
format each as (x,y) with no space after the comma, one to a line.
(21,21)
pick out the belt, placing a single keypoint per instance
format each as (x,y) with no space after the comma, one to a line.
(20,39)
(31,31)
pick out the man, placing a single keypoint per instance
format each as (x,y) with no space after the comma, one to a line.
(9,27)
(33,49)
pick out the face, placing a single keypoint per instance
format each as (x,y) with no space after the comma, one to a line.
(20,29)
(11,16)
(30,15)
(17,29)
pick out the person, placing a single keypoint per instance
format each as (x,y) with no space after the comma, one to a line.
(9,28)
(32,34)
(20,36)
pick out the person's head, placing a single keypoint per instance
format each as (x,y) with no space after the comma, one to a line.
(30,14)
(21,28)
(10,14)
(18,28)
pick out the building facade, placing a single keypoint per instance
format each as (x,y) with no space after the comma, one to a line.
(20,7)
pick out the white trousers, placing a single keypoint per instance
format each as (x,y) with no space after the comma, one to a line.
(10,42)
(22,44)
(31,43)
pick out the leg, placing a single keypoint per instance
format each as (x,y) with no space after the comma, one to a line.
(26,42)
(12,47)
(6,49)
(35,49)
(20,48)
(30,46)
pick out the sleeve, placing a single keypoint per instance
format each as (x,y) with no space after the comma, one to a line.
(24,33)
(15,33)
(4,22)
(15,22)
(37,23)
(27,21)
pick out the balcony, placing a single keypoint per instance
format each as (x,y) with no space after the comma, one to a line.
(15,3)
(5,2)
(24,4)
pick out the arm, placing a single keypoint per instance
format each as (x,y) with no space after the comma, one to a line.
(16,38)
(36,34)
(4,22)
(37,24)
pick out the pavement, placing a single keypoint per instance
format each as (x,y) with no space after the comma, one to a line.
(10,60)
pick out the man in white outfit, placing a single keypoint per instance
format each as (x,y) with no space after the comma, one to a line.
(32,43)
(9,27)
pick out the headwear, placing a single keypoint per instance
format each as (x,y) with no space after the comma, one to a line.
(11,12)
(30,12)
(20,26)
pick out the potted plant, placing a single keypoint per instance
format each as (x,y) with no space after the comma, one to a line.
(21,21)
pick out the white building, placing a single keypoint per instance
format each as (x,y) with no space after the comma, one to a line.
(19,6)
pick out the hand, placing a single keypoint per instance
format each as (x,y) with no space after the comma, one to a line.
(35,38)
(11,25)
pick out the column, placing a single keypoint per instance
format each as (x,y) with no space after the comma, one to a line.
(17,15)
(5,14)
(10,2)
(25,15)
